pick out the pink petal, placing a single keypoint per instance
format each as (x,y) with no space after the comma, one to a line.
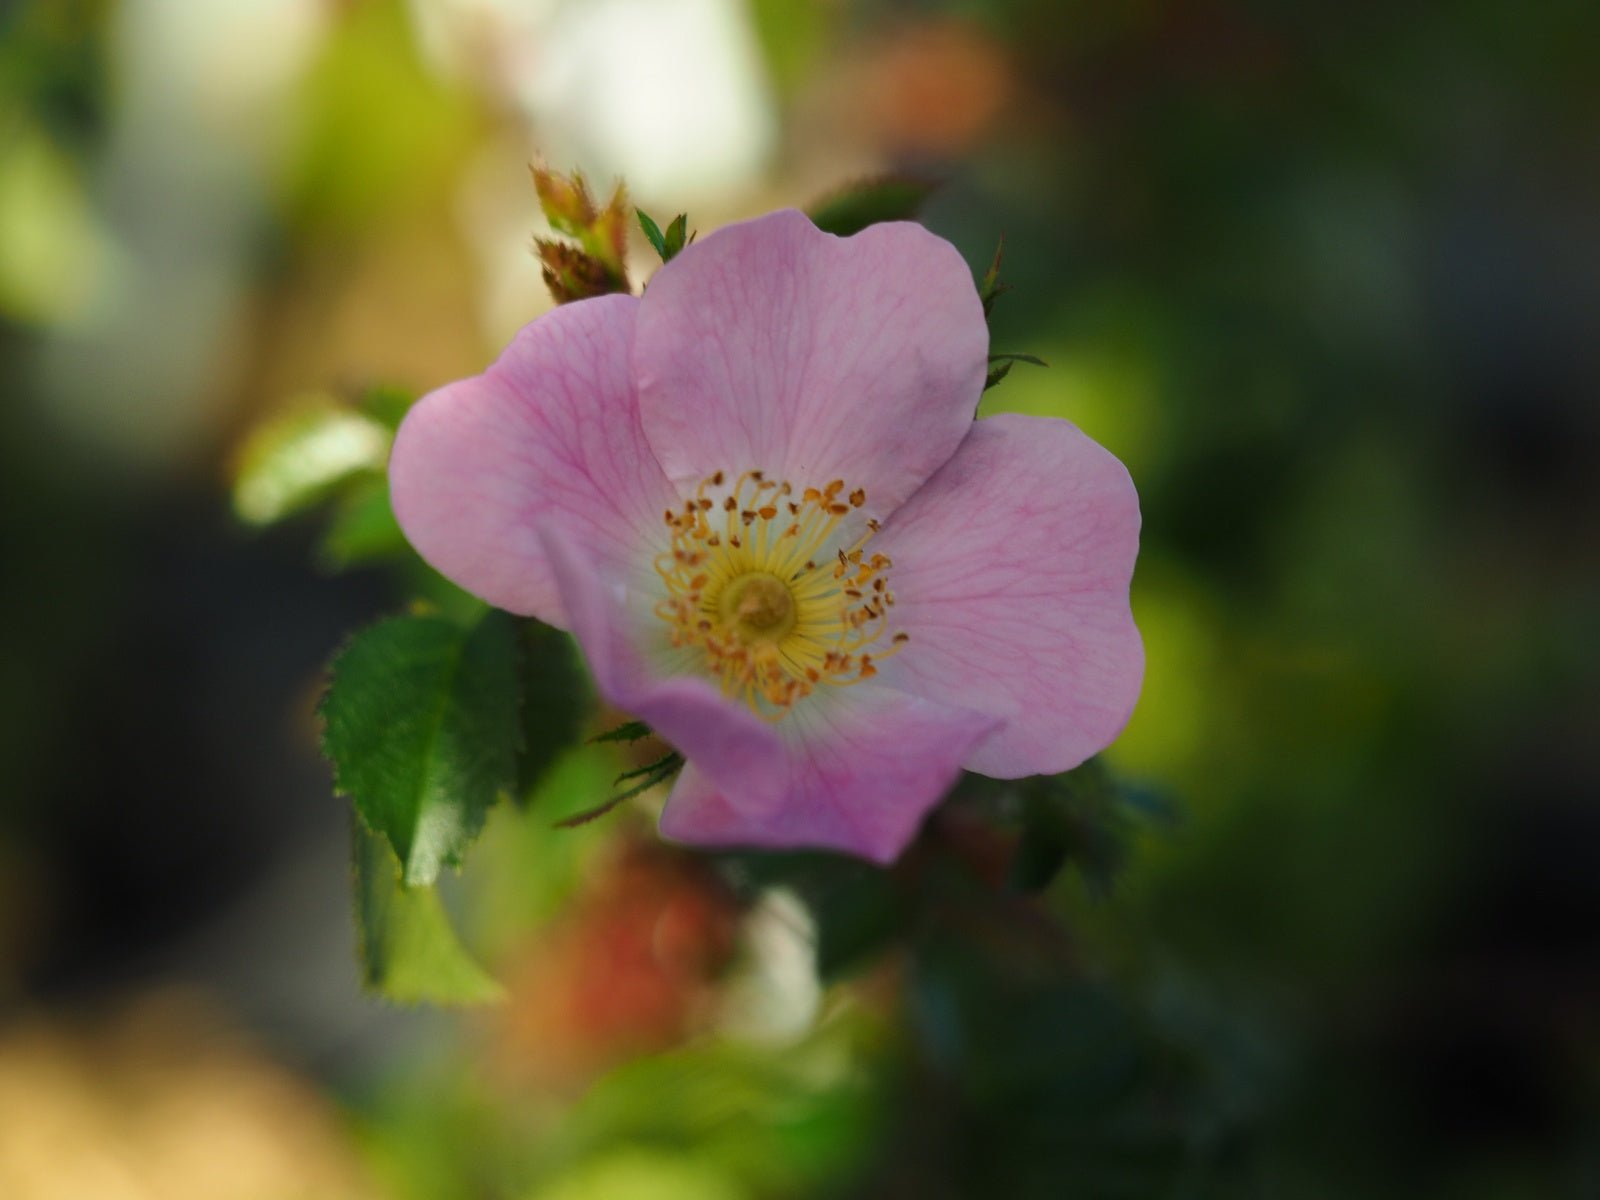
(867,763)
(625,644)
(772,345)
(549,434)
(1011,572)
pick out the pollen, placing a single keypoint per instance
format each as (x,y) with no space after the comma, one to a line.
(777,595)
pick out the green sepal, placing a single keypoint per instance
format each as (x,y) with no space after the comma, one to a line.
(869,202)
(422,725)
(628,731)
(645,778)
(990,288)
(1000,366)
(409,952)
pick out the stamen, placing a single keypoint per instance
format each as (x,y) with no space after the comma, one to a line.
(772,625)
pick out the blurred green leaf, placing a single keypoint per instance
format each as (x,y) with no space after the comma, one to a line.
(300,458)
(422,725)
(387,404)
(1079,817)
(858,908)
(554,700)
(785,1124)
(409,952)
(854,207)
(363,528)
(793,38)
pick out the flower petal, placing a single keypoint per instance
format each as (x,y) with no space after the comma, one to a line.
(549,434)
(866,765)
(618,632)
(772,345)
(1011,572)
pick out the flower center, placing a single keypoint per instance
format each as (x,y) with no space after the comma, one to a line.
(757,607)
(762,585)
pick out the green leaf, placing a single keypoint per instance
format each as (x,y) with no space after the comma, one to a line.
(652,233)
(301,457)
(387,404)
(859,909)
(677,236)
(421,722)
(554,698)
(1031,360)
(363,529)
(666,244)
(854,207)
(1075,817)
(409,952)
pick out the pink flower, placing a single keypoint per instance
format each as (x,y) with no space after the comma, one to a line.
(759,500)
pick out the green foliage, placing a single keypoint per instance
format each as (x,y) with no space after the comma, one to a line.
(421,722)
(362,529)
(869,202)
(1083,818)
(765,1124)
(666,244)
(794,38)
(304,456)
(859,908)
(386,404)
(553,691)
(409,952)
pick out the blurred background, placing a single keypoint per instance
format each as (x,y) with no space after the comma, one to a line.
(1325,276)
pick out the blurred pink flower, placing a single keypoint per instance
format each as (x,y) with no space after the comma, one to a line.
(758,499)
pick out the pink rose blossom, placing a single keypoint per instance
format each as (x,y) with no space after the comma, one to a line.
(758,499)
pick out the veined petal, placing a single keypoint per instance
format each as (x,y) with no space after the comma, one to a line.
(1012,567)
(866,765)
(774,346)
(549,434)
(625,644)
